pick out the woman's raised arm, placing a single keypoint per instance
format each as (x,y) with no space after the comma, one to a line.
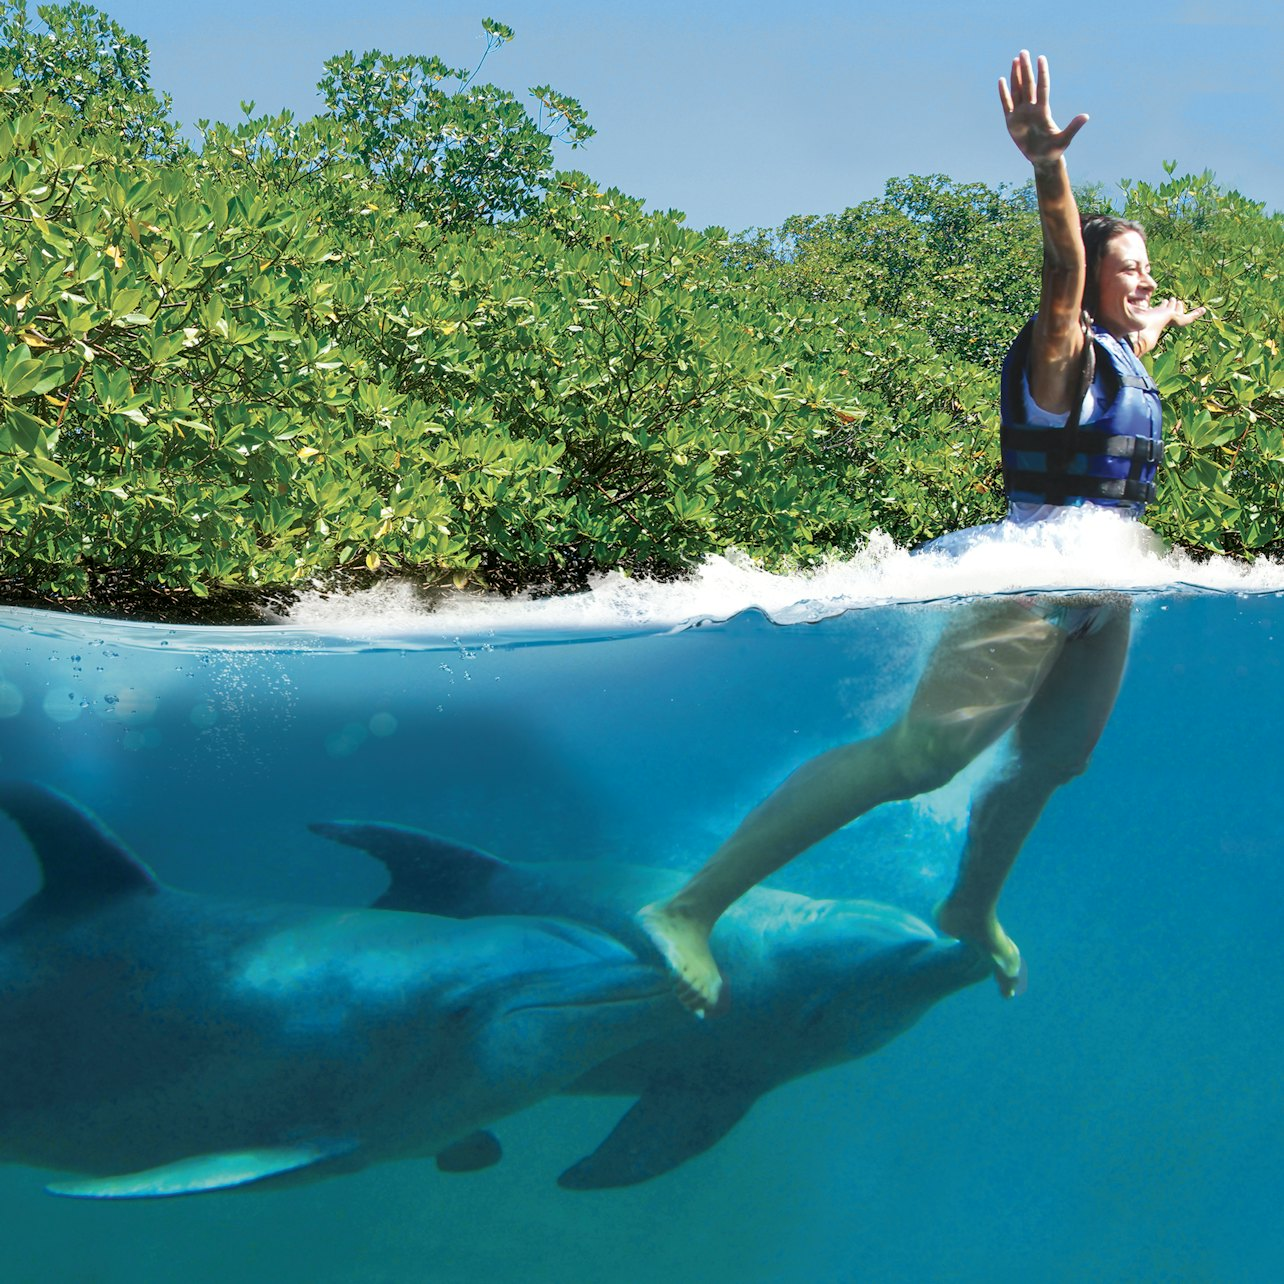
(1056,346)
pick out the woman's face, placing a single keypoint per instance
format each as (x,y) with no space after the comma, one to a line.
(1124,285)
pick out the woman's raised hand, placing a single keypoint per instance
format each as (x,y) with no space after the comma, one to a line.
(1174,312)
(1029,116)
(1168,312)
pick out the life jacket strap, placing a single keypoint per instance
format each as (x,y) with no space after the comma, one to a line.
(1057,489)
(1084,442)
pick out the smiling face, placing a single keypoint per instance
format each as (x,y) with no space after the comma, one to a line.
(1124,285)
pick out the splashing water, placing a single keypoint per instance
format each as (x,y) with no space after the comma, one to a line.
(1082,548)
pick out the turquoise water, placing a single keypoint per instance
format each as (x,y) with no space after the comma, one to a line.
(1120,1121)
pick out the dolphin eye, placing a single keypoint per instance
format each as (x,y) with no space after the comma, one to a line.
(812,1012)
(457,1012)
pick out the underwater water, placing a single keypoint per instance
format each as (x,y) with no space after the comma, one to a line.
(1120,1121)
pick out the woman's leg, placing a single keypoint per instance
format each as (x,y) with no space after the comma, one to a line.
(988,664)
(1053,742)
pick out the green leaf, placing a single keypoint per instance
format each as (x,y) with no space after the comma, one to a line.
(50,467)
(22,432)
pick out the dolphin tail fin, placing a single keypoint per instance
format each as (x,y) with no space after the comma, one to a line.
(80,860)
(202,1173)
(427,874)
(661,1131)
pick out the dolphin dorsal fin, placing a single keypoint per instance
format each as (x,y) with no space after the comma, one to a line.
(80,860)
(427,874)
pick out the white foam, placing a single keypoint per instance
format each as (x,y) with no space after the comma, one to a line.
(1082,548)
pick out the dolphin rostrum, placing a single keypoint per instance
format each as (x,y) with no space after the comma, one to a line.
(812,982)
(154,1042)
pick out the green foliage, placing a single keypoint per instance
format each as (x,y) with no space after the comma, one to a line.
(958,261)
(456,153)
(79,56)
(156,364)
(1223,378)
(388,339)
(204,388)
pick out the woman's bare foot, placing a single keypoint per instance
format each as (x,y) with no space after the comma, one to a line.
(984,931)
(684,945)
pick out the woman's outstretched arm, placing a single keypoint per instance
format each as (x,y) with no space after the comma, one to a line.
(1057,343)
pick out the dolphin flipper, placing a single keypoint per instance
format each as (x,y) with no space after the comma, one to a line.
(202,1173)
(661,1131)
(471,1154)
(429,875)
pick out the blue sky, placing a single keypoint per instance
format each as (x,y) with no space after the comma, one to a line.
(743,113)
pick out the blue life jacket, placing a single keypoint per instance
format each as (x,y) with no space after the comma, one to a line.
(1110,460)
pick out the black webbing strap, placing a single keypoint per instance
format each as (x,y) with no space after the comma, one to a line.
(1113,445)
(1077,487)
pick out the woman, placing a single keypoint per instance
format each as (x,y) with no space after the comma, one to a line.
(1080,425)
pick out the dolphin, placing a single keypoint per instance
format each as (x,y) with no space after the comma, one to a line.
(154,1042)
(813,983)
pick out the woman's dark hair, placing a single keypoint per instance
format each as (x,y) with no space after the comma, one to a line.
(1098,230)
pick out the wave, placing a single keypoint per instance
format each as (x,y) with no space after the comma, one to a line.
(1080,550)
(1083,549)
